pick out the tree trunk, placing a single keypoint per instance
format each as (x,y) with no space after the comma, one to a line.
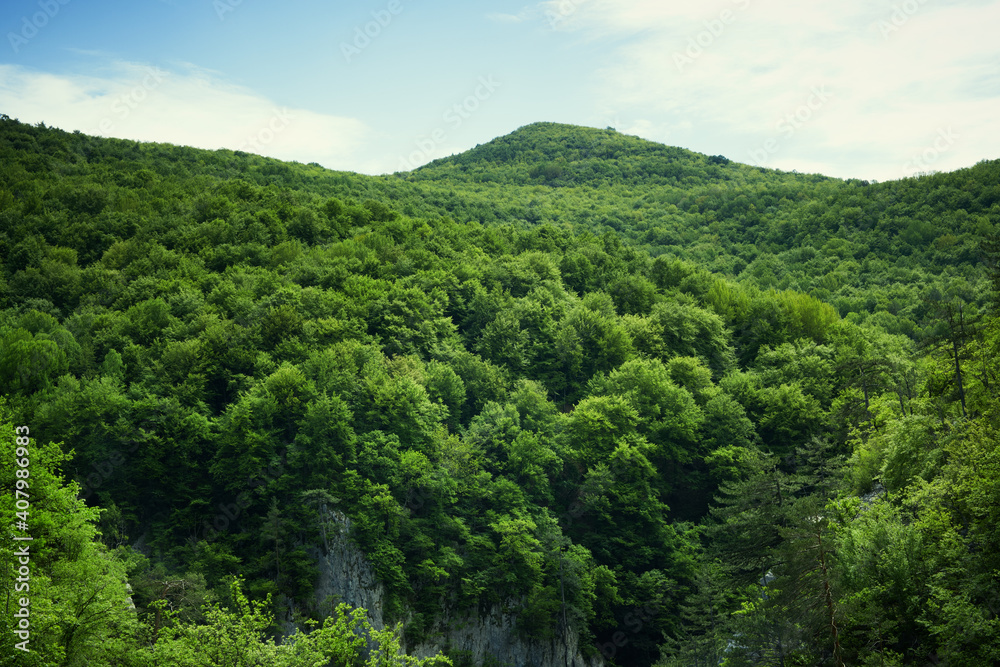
(958,375)
(828,598)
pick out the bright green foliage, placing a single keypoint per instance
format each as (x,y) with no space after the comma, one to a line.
(667,414)
(683,330)
(597,424)
(788,416)
(237,636)
(605,385)
(75,589)
(28,363)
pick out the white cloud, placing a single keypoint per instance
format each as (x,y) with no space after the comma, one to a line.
(185,105)
(555,15)
(505,18)
(732,75)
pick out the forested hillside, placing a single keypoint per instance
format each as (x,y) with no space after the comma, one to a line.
(692,410)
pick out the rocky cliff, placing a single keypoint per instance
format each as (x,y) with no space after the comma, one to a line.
(347,576)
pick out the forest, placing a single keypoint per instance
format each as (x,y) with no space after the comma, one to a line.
(694,411)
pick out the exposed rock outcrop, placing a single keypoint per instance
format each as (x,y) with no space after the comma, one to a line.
(495,636)
(347,576)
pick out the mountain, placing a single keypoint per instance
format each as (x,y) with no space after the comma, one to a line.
(554,154)
(864,247)
(570,396)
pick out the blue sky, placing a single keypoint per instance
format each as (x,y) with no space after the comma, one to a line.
(858,88)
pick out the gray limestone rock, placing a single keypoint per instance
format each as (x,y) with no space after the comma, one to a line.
(347,576)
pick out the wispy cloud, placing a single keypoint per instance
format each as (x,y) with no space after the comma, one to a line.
(555,15)
(736,77)
(181,105)
(734,70)
(506,18)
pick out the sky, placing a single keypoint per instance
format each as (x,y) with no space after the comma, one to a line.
(871,89)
